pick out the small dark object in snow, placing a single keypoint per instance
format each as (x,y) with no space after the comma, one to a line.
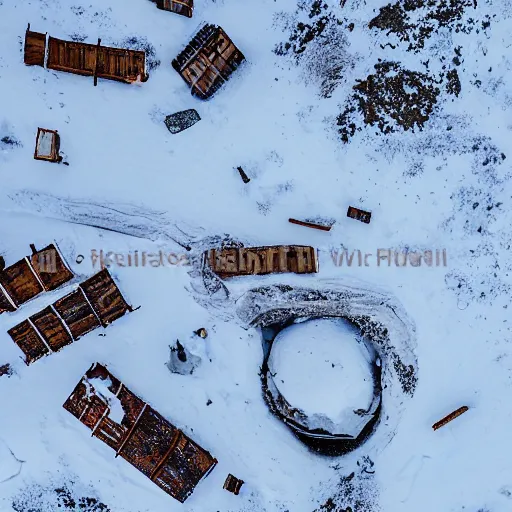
(5,370)
(181,361)
(47,145)
(202,333)
(244,176)
(79,258)
(310,224)
(233,484)
(356,213)
(183,120)
(450,417)
(182,356)
(209,402)
(2,263)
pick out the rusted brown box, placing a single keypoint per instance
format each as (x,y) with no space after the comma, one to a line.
(50,268)
(208,61)
(20,282)
(233,484)
(29,341)
(244,261)
(142,436)
(77,313)
(183,7)
(35,48)
(105,297)
(356,213)
(47,145)
(51,329)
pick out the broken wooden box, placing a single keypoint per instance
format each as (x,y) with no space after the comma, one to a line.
(233,484)
(183,7)
(208,61)
(47,145)
(97,302)
(180,121)
(138,433)
(85,59)
(229,262)
(356,213)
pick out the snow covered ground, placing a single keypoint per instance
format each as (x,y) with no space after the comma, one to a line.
(445,186)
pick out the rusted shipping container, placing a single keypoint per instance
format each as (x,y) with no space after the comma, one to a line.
(208,61)
(105,297)
(85,59)
(29,341)
(262,260)
(35,48)
(51,329)
(20,282)
(50,267)
(47,145)
(183,7)
(143,437)
(77,313)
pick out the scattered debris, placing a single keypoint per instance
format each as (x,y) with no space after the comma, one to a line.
(47,145)
(450,417)
(142,437)
(183,120)
(85,59)
(261,260)
(233,484)
(5,369)
(208,61)
(183,7)
(182,361)
(96,302)
(209,402)
(202,333)
(356,213)
(2,263)
(310,224)
(244,176)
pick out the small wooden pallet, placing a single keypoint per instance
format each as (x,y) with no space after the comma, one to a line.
(233,484)
(356,213)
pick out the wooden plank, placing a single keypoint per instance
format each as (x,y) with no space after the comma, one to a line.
(29,341)
(450,417)
(20,282)
(35,48)
(50,267)
(361,215)
(51,329)
(310,225)
(77,314)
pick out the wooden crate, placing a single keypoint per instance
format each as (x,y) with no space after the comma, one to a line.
(361,215)
(47,145)
(183,7)
(51,329)
(29,341)
(35,48)
(20,282)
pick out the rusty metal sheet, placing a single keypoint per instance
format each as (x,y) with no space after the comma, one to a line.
(5,303)
(50,267)
(35,48)
(20,282)
(105,297)
(77,313)
(27,339)
(51,328)
(146,439)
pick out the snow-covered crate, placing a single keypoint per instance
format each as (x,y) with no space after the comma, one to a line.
(138,433)
(208,61)
(277,259)
(47,145)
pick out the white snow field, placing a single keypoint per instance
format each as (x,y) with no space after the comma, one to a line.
(442,185)
(320,367)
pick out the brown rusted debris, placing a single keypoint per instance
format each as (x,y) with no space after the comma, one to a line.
(244,261)
(144,438)
(356,213)
(183,7)
(96,302)
(244,176)
(85,59)
(202,333)
(5,369)
(47,145)
(310,225)
(233,484)
(208,61)
(450,417)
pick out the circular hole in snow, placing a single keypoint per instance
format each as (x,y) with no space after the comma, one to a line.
(323,367)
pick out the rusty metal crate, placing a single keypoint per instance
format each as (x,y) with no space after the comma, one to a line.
(144,438)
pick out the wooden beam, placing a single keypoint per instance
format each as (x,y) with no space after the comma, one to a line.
(158,468)
(130,432)
(310,225)
(96,63)
(450,417)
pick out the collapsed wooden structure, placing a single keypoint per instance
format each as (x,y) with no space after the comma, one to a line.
(208,61)
(229,262)
(85,59)
(183,7)
(47,145)
(44,270)
(138,433)
(97,302)
(361,215)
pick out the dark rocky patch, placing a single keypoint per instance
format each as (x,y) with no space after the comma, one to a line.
(141,43)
